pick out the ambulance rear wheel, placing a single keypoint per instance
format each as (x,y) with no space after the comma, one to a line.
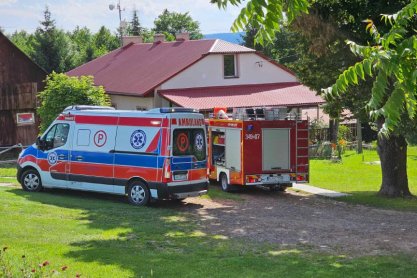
(31,181)
(138,193)
(226,187)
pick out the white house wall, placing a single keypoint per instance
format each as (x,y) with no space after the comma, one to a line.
(208,72)
(131,103)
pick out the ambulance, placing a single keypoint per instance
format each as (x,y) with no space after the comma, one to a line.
(155,154)
(267,149)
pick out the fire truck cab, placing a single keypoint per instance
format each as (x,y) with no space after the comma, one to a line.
(266,149)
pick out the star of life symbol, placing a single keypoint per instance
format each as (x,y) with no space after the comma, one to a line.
(138,139)
(52,158)
(199,141)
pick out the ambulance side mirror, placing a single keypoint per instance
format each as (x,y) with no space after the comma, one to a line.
(40,143)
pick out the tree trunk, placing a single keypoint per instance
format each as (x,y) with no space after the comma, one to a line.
(359,135)
(392,152)
(333,130)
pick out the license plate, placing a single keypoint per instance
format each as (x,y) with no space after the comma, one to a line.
(274,179)
(180,177)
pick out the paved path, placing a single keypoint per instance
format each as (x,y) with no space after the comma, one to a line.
(319,191)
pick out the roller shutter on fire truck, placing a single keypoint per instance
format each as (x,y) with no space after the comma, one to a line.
(275,149)
(233,149)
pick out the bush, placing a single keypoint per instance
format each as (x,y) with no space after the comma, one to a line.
(62,91)
(344,133)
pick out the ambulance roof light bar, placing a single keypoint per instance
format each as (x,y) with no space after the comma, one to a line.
(174,110)
(87,107)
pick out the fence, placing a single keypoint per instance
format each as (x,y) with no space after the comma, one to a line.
(4,150)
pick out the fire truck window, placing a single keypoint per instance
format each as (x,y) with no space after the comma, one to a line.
(189,142)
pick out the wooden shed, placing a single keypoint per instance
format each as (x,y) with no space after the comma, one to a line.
(20,81)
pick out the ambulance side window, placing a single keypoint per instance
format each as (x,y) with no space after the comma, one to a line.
(57,136)
(83,137)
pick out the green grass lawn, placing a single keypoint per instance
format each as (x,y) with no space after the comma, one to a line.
(360,176)
(8,173)
(101,236)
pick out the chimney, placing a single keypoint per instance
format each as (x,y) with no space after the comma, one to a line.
(182,36)
(128,39)
(159,38)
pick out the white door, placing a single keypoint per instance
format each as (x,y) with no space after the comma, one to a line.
(275,149)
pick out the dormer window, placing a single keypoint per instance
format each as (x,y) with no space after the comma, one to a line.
(230,66)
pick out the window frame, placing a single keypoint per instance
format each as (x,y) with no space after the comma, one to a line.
(235,64)
(54,128)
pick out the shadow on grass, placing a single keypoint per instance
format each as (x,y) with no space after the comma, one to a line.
(164,240)
(371,198)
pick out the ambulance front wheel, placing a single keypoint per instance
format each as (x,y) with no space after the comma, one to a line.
(224,183)
(31,181)
(138,193)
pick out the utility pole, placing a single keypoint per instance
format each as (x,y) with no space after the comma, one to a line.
(119,8)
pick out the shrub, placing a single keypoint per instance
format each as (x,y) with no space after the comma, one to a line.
(62,91)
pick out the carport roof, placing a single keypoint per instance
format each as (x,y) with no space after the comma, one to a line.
(291,94)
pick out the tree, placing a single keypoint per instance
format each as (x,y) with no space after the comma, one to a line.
(318,40)
(105,41)
(24,41)
(172,23)
(392,59)
(53,50)
(266,16)
(391,149)
(83,43)
(135,29)
(62,91)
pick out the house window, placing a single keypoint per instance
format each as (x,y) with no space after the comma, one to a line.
(230,66)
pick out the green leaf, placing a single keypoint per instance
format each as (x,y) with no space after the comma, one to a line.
(367,66)
(359,70)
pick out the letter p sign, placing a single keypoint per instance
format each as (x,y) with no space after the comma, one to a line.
(100,138)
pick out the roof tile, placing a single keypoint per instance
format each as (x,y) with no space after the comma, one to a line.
(226,47)
(138,68)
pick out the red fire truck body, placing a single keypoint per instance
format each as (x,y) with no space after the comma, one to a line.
(271,153)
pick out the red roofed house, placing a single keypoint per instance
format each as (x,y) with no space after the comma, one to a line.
(195,73)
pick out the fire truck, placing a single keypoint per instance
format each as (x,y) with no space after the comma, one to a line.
(267,148)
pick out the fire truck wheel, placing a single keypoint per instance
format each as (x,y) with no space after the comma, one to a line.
(31,181)
(138,193)
(224,184)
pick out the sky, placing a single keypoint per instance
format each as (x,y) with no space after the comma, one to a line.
(26,14)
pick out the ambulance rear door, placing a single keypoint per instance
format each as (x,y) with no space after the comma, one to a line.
(189,148)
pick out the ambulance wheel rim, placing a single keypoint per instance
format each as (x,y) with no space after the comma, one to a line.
(31,181)
(138,194)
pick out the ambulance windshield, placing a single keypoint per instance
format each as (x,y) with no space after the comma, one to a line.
(189,142)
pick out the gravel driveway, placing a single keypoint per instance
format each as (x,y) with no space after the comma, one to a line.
(294,219)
